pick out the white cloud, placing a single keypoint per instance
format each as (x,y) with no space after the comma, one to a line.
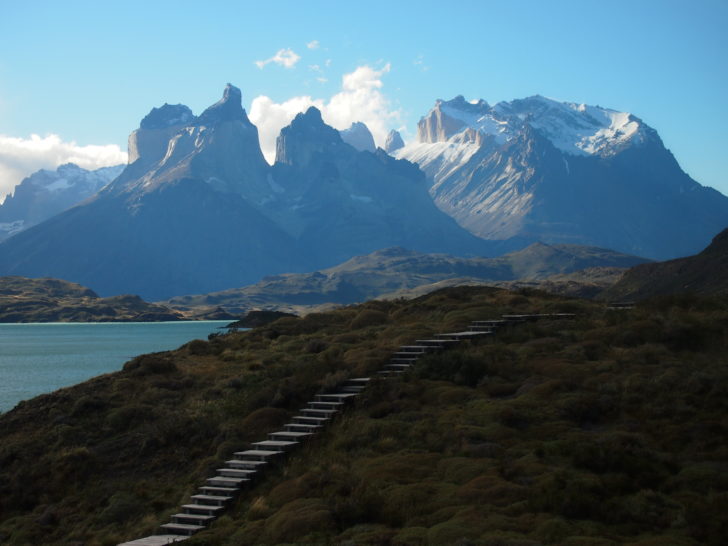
(313,44)
(20,157)
(287,58)
(360,99)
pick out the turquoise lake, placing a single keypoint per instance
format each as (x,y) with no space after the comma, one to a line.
(40,358)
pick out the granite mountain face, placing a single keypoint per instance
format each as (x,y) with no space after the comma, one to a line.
(198,209)
(538,169)
(338,202)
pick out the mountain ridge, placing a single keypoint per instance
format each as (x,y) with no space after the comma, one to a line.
(161,228)
(539,169)
(394,271)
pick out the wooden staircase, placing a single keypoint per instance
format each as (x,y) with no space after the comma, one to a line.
(247,466)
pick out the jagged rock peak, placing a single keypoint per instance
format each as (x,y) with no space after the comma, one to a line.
(306,135)
(167,115)
(228,108)
(460,103)
(312,116)
(359,136)
(394,142)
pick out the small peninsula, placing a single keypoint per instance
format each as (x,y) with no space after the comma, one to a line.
(54,300)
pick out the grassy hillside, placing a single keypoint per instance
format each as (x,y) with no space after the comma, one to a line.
(394,271)
(608,429)
(53,300)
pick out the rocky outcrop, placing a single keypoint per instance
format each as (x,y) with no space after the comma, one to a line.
(306,137)
(149,142)
(359,136)
(394,142)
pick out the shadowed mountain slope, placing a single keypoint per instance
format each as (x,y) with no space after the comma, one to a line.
(704,273)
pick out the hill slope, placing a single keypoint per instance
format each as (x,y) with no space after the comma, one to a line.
(53,300)
(395,271)
(704,273)
(602,431)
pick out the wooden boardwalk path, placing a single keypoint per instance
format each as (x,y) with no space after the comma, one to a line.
(246,466)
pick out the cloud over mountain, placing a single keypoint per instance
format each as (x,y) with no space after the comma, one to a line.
(20,157)
(287,58)
(360,99)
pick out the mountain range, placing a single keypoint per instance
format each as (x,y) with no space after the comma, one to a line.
(199,210)
(47,193)
(539,169)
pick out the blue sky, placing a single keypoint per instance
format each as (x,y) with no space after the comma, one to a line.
(81,74)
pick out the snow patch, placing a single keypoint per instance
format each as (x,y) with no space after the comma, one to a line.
(577,129)
(58,185)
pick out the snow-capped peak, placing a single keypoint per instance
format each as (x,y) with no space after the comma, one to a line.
(576,129)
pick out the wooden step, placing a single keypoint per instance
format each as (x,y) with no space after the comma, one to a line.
(225,481)
(358,381)
(156,540)
(397,360)
(219,491)
(414,349)
(215,500)
(182,528)
(192,519)
(259,454)
(464,335)
(397,366)
(437,342)
(353,388)
(245,465)
(237,473)
(404,354)
(301,427)
(275,445)
(490,322)
(325,405)
(321,412)
(206,509)
(335,397)
(289,436)
(310,420)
